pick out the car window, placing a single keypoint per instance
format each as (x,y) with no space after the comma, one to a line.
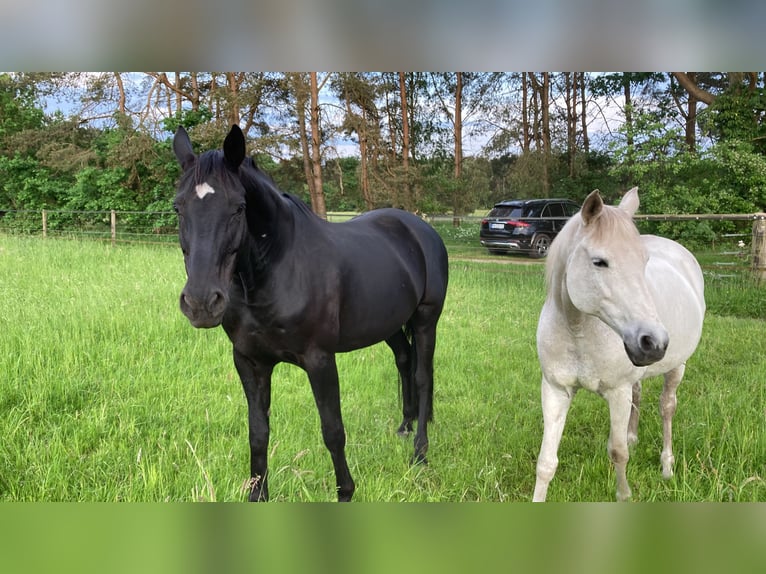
(534,210)
(505,211)
(554,210)
(571,209)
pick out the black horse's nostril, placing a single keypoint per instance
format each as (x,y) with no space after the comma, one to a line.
(205,310)
(216,301)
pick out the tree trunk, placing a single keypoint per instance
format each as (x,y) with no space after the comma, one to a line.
(364,171)
(214,109)
(405,142)
(317,198)
(194,97)
(391,156)
(459,126)
(628,115)
(536,132)
(232,82)
(359,125)
(691,119)
(585,139)
(524,113)
(121,90)
(570,79)
(299,89)
(546,132)
(179,95)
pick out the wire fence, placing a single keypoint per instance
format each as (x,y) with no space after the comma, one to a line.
(111,226)
(742,246)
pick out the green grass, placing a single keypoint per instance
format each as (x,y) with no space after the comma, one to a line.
(107,393)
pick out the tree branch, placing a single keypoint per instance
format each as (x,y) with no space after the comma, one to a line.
(688,84)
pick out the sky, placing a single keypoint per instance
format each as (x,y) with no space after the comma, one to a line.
(606,116)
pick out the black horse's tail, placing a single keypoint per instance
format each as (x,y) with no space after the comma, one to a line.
(410,395)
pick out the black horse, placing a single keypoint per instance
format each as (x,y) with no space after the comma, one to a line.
(288,286)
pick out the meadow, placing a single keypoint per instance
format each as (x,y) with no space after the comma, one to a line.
(108,394)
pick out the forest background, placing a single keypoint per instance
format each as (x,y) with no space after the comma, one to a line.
(433,143)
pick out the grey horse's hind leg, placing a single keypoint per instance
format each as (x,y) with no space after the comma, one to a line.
(634,412)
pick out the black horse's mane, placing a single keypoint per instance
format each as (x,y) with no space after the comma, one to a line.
(253,176)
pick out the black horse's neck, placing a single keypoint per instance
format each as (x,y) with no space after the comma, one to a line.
(270,223)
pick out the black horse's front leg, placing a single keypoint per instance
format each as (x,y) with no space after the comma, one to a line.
(256,382)
(323,375)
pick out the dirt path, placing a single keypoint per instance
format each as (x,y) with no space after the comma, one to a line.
(501,261)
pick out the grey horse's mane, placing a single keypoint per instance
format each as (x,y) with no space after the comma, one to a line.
(612,223)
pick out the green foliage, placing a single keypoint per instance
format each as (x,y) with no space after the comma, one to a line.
(341,185)
(729,177)
(17,107)
(59,162)
(738,114)
(60,165)
(188,119)
(615,83)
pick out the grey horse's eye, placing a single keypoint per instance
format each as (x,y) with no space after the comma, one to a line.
(598,262)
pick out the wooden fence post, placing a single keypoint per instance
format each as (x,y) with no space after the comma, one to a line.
(113,221)
(759,247)
(45,224)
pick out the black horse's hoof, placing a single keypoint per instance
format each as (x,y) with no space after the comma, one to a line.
(259,492)
(418,458)
(258,497)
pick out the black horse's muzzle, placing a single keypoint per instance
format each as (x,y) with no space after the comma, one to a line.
(204,310)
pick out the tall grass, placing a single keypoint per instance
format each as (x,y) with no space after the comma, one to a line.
(107,393)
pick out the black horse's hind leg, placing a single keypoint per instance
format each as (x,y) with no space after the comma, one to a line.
(402,349)
(256,382)
(424,333)
(323,375)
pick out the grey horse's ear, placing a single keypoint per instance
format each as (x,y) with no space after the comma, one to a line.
(629,202)
(592,207)
(182,147)
(234,148)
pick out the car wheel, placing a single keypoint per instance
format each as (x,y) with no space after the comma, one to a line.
(540,246)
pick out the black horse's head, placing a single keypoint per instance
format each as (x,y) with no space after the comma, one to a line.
(210,204)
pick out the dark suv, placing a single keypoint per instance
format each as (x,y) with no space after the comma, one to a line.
(525,225)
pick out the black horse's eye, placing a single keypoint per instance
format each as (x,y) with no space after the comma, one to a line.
(175,208)
(598,262)
(240,209)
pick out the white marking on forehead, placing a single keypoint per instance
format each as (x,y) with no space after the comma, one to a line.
(203,189)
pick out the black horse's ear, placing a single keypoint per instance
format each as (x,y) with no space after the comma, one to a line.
(183,148)
(592,207)
(234,147)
